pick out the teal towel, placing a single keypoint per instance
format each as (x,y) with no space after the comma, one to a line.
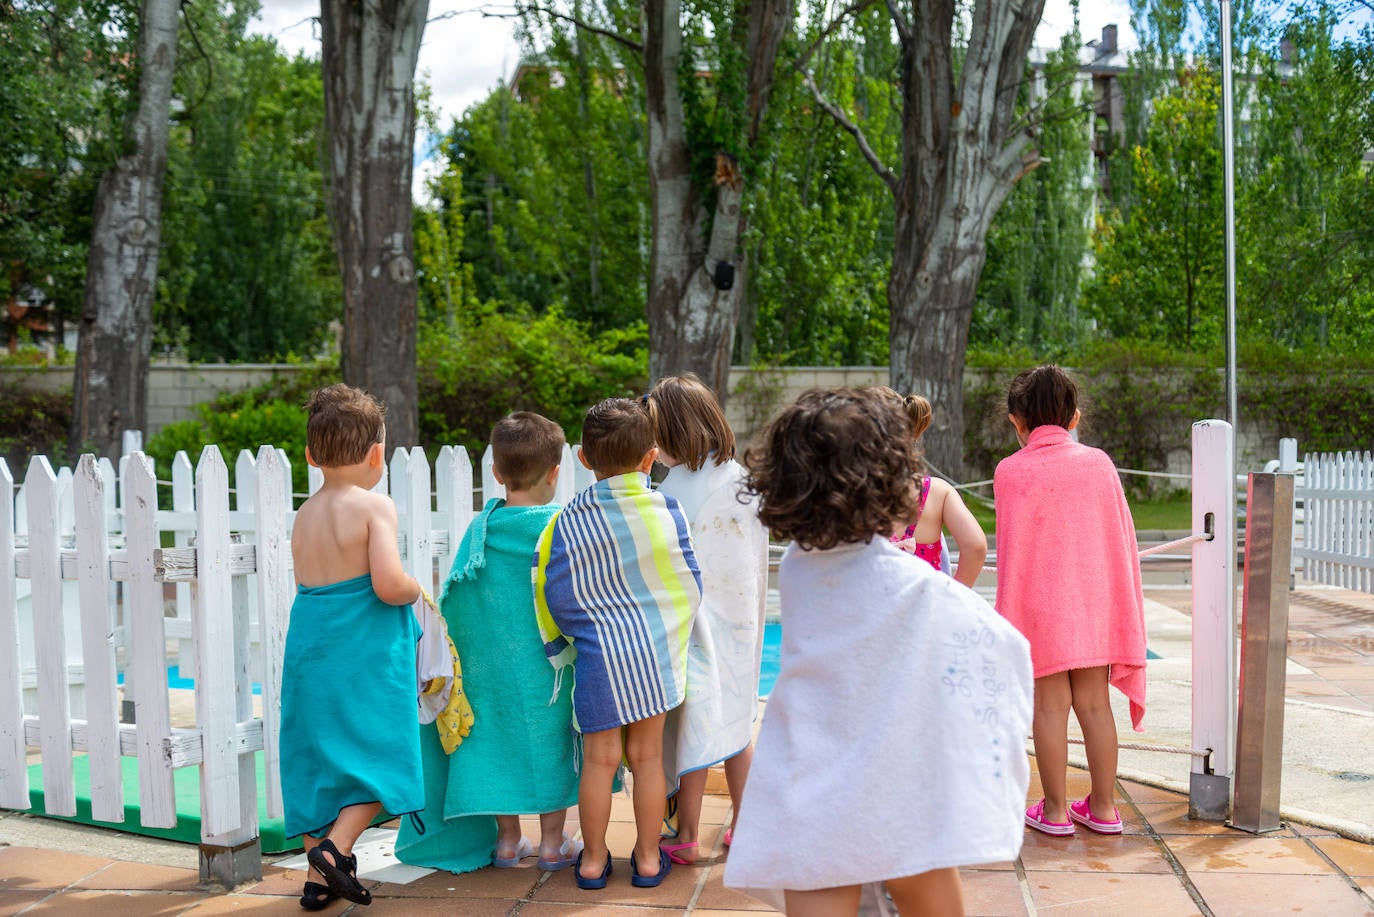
(348,713)
(520,757)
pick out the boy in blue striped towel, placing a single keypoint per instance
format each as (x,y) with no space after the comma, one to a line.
(616,588)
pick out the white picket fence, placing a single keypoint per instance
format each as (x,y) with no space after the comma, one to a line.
(1336,495)
(93,595)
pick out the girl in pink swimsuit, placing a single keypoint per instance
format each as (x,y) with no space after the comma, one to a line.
(939,508)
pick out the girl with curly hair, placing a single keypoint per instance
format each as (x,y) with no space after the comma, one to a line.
(891,750)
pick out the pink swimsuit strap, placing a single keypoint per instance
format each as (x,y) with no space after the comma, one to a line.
(931,552)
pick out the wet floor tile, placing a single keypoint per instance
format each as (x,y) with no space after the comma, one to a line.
(1141,793)
(1172,818)
(1092,853)
(715,896)
(1354,859)
(1288,855)
(1254,894)
(1077,894)
(467,907)
(676,891)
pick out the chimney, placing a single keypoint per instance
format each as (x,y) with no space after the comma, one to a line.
(1108,45)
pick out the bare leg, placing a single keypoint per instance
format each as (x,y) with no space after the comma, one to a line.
(312,874)
(689,796)
(937,893)
(1093,707)
(644,751)
(507,835)
(825,902)
(600,761)
(736,771)
(551,834)
(352,821)
(1050,732)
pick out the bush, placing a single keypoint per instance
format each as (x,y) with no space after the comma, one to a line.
(33,422)
(504,362)
(272,413)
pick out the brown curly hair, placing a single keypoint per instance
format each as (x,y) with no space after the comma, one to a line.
(835,467)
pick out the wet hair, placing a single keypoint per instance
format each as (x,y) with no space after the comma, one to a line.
(616,435)
(343,423)
(919,412)
(524,446)
(1043,396)
(835,467)
(689,423)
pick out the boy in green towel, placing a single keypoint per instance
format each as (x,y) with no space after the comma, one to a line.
(520,757)
(348,744)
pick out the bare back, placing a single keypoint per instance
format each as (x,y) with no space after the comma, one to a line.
(344,531)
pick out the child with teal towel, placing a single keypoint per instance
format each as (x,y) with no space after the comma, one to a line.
(348,746)
(520,756)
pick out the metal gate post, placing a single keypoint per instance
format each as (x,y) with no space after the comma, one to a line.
(1263,652)
(1214,619)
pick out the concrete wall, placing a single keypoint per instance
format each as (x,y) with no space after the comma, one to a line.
(174,388)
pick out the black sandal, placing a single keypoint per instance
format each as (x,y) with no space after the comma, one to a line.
(341,874)
(317,897)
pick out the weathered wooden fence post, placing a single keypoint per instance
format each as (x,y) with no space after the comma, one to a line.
(14,772)
(229,848)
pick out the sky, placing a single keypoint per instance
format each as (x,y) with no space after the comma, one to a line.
(465,54)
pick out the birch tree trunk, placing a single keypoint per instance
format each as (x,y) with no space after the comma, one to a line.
(962,152)
(691,318)
(116,331)
(369,55)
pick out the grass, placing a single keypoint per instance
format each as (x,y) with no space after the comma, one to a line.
(1171,512)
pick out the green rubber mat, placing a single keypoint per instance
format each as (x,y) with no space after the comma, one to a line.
(186,784)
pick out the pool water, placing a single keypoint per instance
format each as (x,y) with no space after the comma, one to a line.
(768,669)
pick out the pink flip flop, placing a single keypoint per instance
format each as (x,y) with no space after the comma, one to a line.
(672,849)
(1082,813)
(1035,817)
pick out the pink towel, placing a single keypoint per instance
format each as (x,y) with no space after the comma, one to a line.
(1068,570)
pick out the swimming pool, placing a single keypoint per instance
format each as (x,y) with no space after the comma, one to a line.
(768,668)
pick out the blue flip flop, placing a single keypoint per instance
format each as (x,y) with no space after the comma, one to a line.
(665,866)
(591,884)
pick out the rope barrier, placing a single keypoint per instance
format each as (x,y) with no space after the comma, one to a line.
(1145,746)
(1177,543)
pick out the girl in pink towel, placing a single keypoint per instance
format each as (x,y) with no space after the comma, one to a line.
(939,507)
(1068,577)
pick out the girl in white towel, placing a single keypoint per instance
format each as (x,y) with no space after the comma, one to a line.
(716,720)
(891,749)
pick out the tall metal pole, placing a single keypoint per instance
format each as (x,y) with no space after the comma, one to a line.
(1228,149)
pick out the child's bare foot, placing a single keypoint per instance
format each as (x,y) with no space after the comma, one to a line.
(683,853)
(558,853)
(510,851)
(588,874)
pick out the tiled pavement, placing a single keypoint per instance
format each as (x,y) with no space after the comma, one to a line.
(1164,864)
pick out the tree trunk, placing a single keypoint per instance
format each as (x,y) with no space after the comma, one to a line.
(960,159)
(116,330)
(369,55)
(691,317)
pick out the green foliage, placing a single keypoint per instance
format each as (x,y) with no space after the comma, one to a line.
(501,362)
(1028,291)
(1160,268)
(272,413)
(820,238)
(554,186)
(32,422)
(248,272)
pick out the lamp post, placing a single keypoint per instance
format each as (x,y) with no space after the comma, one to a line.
(1228,157)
